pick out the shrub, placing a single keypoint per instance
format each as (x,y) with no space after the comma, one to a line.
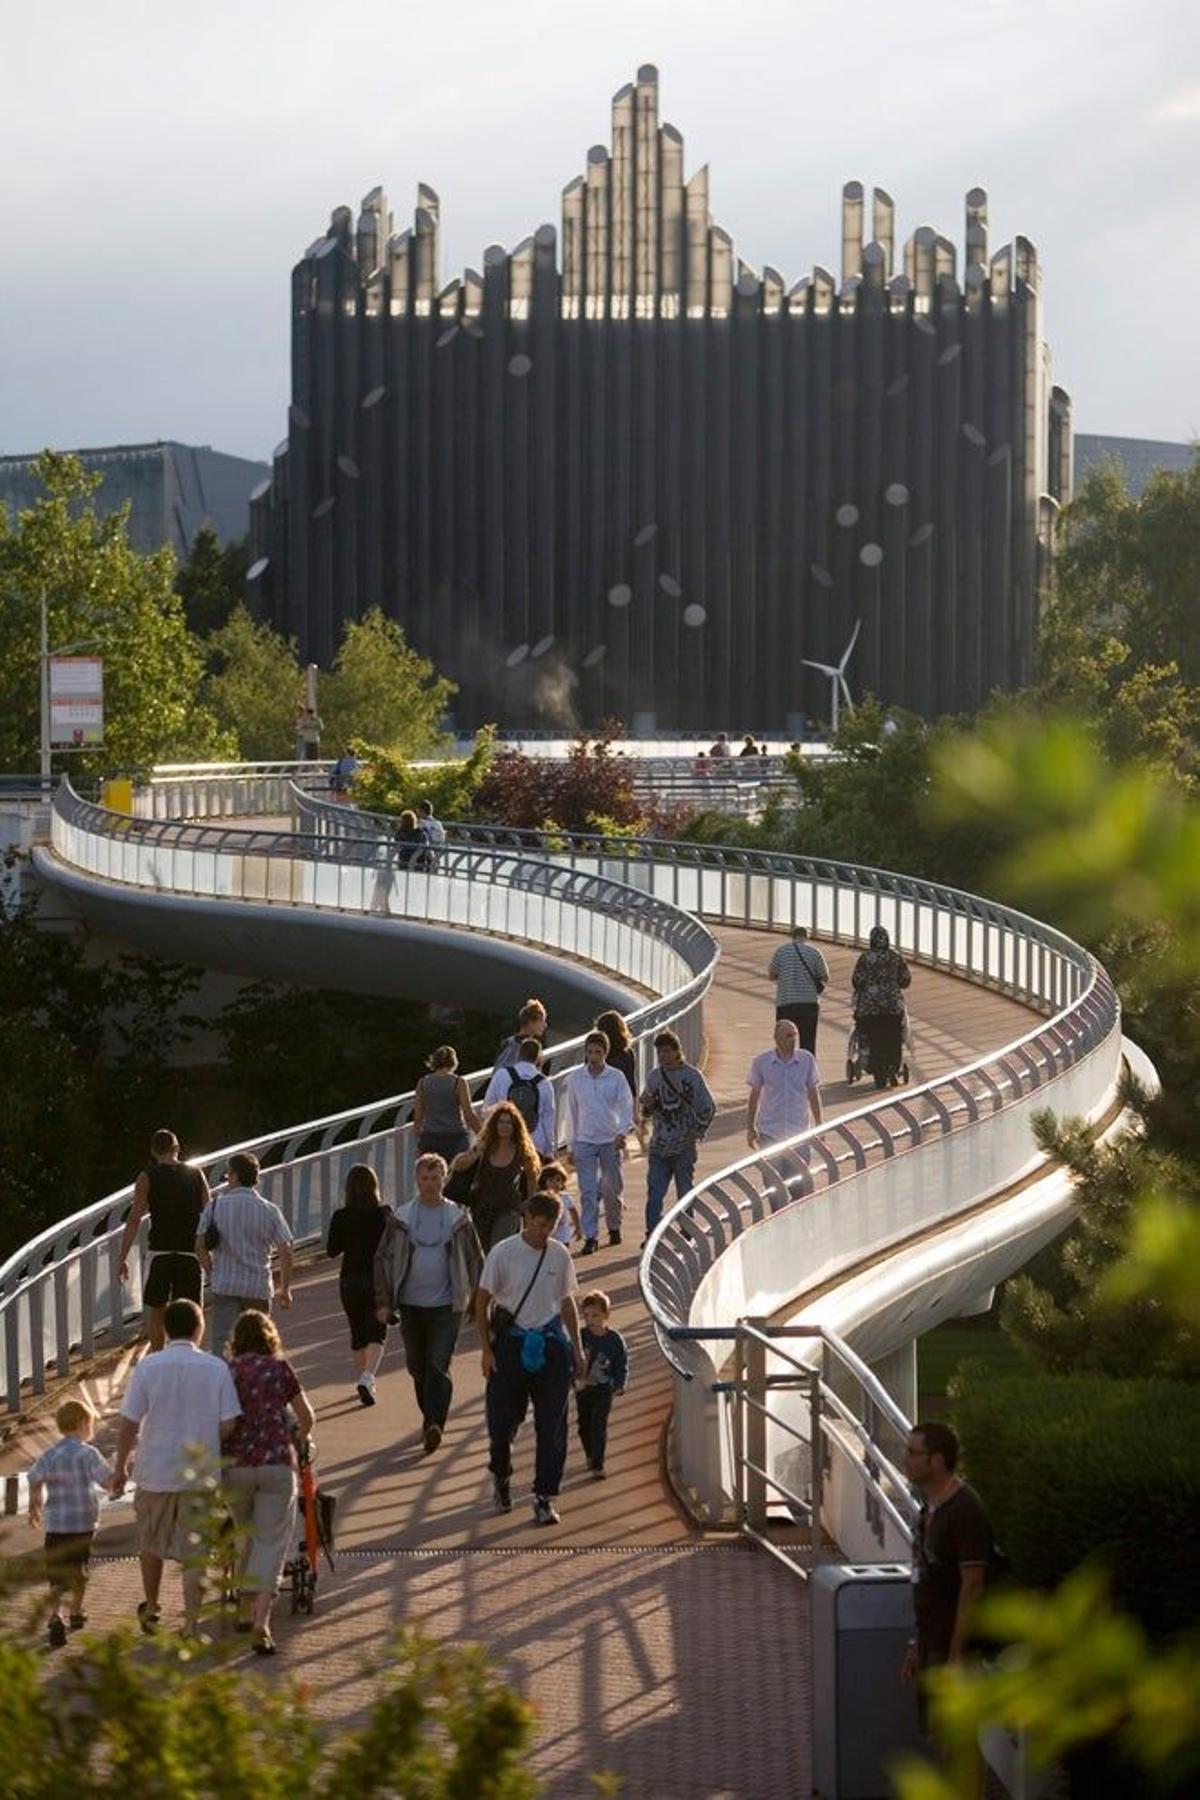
(1084,1468)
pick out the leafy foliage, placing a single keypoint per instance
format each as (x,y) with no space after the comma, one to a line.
(1084,1466)
(1076,1676)
(84,1043)
(100,592)
(125,1718)
(1129,569)
(382,692)
(252,687)
(212,582)
(388,782)
(1084,1323)
(591,789)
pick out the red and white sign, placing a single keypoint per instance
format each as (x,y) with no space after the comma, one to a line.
(76,702)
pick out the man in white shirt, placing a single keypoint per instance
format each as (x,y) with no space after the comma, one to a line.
(785,1090)
(531,1351)
(599,1112)
(535,1095)
(250,1228)
(178,1409)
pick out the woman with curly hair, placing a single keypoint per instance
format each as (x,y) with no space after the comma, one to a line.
(495,1178)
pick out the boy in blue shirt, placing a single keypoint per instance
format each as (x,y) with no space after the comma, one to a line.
(607,1372)
(66,1477)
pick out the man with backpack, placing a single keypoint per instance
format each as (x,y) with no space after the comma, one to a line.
(532,1093)
(800,973)
(677,1100)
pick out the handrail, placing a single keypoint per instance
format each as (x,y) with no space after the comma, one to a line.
(304,1163)
(1019,954)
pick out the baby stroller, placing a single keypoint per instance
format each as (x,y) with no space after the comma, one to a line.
(858,1053)
(314,1511)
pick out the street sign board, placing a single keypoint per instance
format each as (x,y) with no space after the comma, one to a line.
(76,702)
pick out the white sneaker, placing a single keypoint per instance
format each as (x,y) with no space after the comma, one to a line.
(366,1388)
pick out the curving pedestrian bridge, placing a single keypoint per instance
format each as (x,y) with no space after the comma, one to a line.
(772,1316)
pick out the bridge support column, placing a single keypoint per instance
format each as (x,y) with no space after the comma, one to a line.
(898,1373)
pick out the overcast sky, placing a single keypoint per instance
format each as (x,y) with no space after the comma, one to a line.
(164,162)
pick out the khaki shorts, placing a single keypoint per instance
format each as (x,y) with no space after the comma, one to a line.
(173,1525)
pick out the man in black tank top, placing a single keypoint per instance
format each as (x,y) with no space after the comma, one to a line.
(174,1194)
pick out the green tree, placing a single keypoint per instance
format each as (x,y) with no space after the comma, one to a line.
(388,782)
(212,582)
(1130,570)
(99,591)
(382,692)
(254,678)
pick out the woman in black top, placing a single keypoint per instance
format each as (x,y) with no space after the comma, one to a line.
(621,1053)
(354,1233)
(495,1178)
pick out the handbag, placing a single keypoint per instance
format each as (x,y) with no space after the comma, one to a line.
(815,978)
(502,1320)
(212,1233)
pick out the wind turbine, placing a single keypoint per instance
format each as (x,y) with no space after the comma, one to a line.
(837,677)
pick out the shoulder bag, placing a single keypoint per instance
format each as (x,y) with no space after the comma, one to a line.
(816,979)
(502,1320)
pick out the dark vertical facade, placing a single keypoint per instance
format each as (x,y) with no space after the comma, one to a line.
(622,473)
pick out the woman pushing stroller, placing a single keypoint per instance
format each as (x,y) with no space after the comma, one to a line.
(880,977)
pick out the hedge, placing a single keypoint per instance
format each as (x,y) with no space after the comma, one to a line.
(1076,1468)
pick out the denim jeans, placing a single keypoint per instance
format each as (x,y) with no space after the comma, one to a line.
(510,1389)
(600,1176)
(660,1172)
(430,1334)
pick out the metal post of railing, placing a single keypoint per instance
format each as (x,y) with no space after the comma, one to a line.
(756,1424)
(739,1429)
(817,1469)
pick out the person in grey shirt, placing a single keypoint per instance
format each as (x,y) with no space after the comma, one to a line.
(677,1101)
(799,972)
(250,1229)
(427,1267)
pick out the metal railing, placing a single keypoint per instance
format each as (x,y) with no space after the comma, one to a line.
(859,1439)
(61,1292)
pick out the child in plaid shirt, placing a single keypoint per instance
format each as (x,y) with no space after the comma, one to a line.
(65,1477)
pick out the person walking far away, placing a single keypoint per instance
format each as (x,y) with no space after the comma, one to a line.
(532,1021)
(426,1269)
(599,1112)
(341,776)
(496,1176)
(607,1359)
(553,1180)
(355,1229)
(677,1101)
(174,1194)
(801,975)
(179,1408)
(879,979)
(260,1484)
(430,826)
(529,1327)
(952,1550)
(239,1231)
(63,1485)
(721,747)
(785,1090)
(524,1086)
(444,1119)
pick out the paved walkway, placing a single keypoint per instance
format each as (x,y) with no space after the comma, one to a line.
(614,1620)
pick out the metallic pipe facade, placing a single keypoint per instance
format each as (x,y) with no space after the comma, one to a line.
(621,473)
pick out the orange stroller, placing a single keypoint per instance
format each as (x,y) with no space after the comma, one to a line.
(315,1510)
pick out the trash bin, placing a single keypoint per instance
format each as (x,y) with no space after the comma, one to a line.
(864,1716)
(117,794)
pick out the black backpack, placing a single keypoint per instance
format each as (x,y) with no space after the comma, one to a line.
(523,1094)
